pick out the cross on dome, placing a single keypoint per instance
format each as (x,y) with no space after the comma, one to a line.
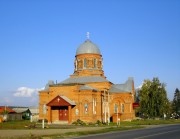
(88,47)
(87,35)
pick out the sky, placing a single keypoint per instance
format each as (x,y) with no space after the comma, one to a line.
(39,38)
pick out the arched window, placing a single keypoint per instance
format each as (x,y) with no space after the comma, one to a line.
(122,108)
(115,108)
(75,64)
(76,111)
(95,63)
(85,63)
(85,108)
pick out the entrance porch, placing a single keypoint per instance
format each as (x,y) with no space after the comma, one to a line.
(60,110)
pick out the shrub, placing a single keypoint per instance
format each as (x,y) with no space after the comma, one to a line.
(90,123)
(81,122)
(99,122)
(75,123)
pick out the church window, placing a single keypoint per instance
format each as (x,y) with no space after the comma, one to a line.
(77,111)
(122,108)
(79,64)
(95,63)
(76,64)
(99,64)
(115,108)
(85,63)
(86,108)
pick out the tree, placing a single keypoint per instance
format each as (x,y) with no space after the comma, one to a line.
(176,102)
(153,99)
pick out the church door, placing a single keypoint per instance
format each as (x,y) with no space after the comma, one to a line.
(63,113)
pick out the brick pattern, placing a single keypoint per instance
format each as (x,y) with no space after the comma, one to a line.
(90,105)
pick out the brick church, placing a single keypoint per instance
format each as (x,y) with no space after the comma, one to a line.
(87,94)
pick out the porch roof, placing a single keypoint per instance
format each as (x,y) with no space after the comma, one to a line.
(61,101)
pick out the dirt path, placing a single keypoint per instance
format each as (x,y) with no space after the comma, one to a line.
(28,132)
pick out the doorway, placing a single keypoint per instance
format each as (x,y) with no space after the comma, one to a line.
(63,113)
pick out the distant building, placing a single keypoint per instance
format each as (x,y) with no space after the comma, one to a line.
(34,113)
(87,95)
(8,114)
(12,113)
(26,113)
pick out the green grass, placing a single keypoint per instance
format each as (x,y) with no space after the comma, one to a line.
(112,127)
(15,124)
(27,124)
(149,122)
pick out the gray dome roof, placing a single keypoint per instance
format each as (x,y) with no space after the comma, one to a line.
(88,47)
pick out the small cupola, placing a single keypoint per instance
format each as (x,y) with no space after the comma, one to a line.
(88,60)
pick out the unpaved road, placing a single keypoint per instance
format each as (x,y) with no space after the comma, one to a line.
(38,132)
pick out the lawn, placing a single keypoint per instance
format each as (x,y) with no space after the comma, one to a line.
(16,124)
(28,125)
(148,122)
(107,128)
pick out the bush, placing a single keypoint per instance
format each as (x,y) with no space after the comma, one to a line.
(90,123)
(80,122)
(99,122)
(75,123)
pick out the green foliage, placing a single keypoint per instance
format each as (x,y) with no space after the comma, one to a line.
(23,124)
(5,112)
(79,122)
(153,99)
(82,123)
(99,122)
(176,102)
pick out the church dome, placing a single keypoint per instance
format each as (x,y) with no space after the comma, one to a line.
(88,47)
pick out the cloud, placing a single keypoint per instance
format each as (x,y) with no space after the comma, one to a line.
(26,92)
(139,87)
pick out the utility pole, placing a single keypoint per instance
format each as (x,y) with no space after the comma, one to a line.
(117,117)
(104,106)
(108,109)
(44,113)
